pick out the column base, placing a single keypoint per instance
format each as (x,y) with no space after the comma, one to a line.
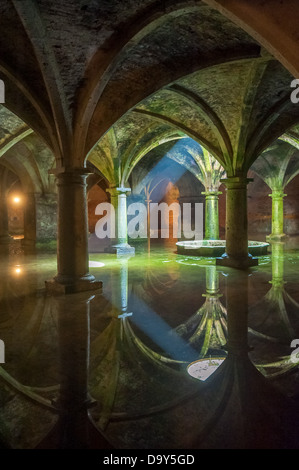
(60,286)
(121,249)
(276,237)
(236,263)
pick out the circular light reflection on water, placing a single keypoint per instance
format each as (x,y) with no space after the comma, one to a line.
(204,368)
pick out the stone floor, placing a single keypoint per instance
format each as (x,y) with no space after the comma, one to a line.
(109,369)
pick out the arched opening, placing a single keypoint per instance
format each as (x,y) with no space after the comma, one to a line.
(12,203)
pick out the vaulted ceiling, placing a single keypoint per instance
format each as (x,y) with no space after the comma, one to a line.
(110,80)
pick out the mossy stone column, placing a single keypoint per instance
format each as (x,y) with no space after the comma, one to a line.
(277,214)
(236,255)
(119,244)
(72,234)
(211,215)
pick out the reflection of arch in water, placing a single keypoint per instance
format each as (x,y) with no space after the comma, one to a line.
(125,371)
(119,350)
(207,329)
(18,376)
(58,411)
(121,363)
(140,397)
(236,407)
(28,316)
(274,319)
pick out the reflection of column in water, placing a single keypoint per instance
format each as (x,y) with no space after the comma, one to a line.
(273,321)
(237,312)
(107,347)
(253,412)
(277,249)
(120,288)
(212,281)
(123,285)
(74,429)
(207,329)
(277,296)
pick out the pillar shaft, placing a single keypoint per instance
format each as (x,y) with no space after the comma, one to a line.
(72,233)
(211,215)
(236,255)
(120,244)
(277,214)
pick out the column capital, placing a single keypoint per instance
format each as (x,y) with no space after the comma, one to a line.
(236,182)
(277,194)
(116,191)
(69,171)
(70,175)
(211,193)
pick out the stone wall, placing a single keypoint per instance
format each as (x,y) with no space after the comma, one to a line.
(46,217)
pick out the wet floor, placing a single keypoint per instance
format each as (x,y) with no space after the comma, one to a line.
(172,353)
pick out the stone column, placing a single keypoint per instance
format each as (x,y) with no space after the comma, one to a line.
(72,235)
(119,244)
(5,238)
(211,215)
(277,215)
(236,255)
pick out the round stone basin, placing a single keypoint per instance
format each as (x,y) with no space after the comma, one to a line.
(215,248)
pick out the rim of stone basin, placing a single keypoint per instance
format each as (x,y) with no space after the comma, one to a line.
(216,248)
(216,243)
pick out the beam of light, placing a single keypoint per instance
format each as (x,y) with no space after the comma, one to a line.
(160,332)
(163,166)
